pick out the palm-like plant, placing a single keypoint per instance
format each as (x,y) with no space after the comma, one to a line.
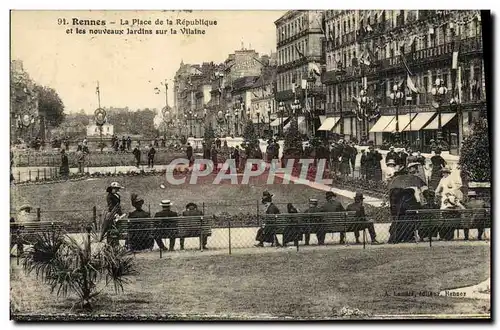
(67,265)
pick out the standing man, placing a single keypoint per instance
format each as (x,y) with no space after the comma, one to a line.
(360,215)
(218,143)
(331,205)
(129,143)
(169,227)
(66,142)
(137,155)
(236,156)
(392,155)
(64,170)
(362,165)
(354,153)
(214,154)
(189,152)
(151,156)
(80,158)
(402,158)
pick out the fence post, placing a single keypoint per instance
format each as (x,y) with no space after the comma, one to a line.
(229,233)
(38,174)
(364,238)
(89,228)
(94,216)
(44,173)
(29,175)
(201,234)
(38,214)
(258,214)
(161,239)
(149,209)
(18,176)
(203,208)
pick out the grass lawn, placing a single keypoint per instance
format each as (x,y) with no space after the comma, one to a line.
(218,198)
(314,283)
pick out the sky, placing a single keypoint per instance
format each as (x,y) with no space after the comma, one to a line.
(128,67)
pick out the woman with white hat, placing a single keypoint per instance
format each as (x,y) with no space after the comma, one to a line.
(114,208)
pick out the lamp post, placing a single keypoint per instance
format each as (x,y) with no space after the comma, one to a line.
(257,111)
(281,110)
(296,107)
(227,122)
(397,97)
(439,91)
(363,100)
(236,129)
(269,119)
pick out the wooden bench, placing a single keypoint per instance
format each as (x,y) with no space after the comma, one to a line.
(174,227)
(312,223)
(432,220)
(27,232)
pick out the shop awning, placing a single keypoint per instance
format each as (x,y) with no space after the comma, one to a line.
(278,121)
(445,118)
(418,122)
(403,120)
(322,119)
(329,123)
(381,123)
(299,121)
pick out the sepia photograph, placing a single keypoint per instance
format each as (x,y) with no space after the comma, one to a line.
(250,165)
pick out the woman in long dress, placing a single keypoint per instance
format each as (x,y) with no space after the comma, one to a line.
(437,164)
(114,210)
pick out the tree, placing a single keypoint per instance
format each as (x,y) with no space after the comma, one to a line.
(50,105)
(251,141)
(293,140)
(209,135)
(475,154)
(70,266)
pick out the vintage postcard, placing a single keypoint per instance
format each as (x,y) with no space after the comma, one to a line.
(250,165)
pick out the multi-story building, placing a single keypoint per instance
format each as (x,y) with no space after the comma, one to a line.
(342,72)
(398,56)
(300,38)
(264,110)
(25,121)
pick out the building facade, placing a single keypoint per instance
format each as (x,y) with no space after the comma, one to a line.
(25,121)
(300,38)
(397,57)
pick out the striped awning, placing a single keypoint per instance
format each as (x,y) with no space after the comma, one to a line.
(329,124)
(381,124)
(418,122)
(403,121)
(278,121)
(445,119)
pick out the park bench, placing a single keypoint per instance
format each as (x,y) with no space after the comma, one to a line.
(432,220)
(174,227)
(311,223)
(27,232)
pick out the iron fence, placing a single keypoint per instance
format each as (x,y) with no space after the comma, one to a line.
(230,233)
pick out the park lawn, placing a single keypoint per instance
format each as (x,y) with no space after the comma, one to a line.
(312,283)
(218,198)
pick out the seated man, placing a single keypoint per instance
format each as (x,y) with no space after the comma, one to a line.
(139,236)
(358,207)
(191,211)
(308,228)
(168,227)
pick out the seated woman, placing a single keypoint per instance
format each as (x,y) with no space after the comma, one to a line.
(292,233)
(139,237)
(403,228)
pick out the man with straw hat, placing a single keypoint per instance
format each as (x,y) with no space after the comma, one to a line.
(169,226)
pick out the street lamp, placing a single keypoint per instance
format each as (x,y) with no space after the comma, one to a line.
(257,111)
(227,122)
(236,129)
(196,125)
(281,112)
(296,109)
(397,97)
(439,91)
(363,100)
(269,119)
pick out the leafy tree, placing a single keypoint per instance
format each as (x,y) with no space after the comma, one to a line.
(68,266)
(475,154)
(209,135)
(293,140)
(50,105)
(251,141)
